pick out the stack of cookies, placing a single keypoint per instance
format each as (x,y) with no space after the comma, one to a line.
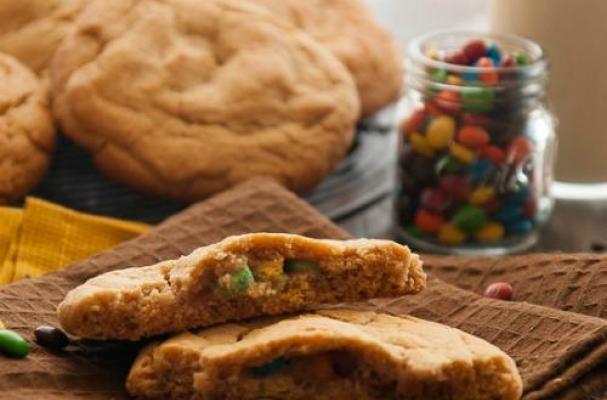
(184,98)
(225,304)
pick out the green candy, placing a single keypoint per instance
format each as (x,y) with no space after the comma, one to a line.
(521,58)
(469,218)
(294,266)
(242,279)
(477,99)
(439,75)
(13,345)
(270,368)
(447,165)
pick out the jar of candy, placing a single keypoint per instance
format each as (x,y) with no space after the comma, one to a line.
(477,144)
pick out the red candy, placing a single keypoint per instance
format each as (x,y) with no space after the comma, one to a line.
(490,77)
(455,185)
(414,122)
(448,101)
(432,109)
(429,222)
(473,136)
(493,153)
(457,57)
(434,200)
(499,291)
(508,61)
(474,50)
(519,150)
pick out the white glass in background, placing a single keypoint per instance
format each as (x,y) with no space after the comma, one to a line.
(574,34)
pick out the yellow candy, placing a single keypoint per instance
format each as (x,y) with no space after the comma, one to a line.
(450,234)
(462,153)
(481,195)
(440,131)
(420,145)
(491,232)
(454,80)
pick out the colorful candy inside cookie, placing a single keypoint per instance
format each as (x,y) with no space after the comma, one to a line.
(339,354)
(240,277)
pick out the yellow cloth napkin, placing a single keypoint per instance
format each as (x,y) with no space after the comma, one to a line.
(45,237)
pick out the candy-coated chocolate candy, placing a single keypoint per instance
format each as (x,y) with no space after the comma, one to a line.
(447,165)
(509,213)
(475,119)
(241,280)
(462,153)
(12,344)
(414,123)
(519,150)
(420,145)
(440,131)
(473,136)
(451,235)
(479,171)
(470,76)
(434,200)
(520,195)
(51,337)
(508,61)
(457,58)
(493,153)
(414,231)
(455,185)
(482,195)
(490,232)
(494,53)
(432,109)
(439,75)
(429,222)
(520,227)
(449,101)
(521,58)
(499,291)
(490,76)
(474,50)
(455,80)
(477,99)
(469,218)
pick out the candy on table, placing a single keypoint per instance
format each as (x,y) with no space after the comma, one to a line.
(429,222)
(451,235)
(13,345)
(51,337)
(499,291)
(440,131)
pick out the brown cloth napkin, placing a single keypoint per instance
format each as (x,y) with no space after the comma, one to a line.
(557,351)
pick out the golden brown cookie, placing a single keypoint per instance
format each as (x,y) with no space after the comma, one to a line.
(27,134)
(184,98)
(239,277)
(31,30)
(329,355)
(350,31)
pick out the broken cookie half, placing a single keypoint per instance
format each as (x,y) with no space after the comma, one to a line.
(329,355)
(237,278)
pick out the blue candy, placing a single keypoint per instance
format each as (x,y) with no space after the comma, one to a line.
(478,171)
(520,195)
(509,213)
(494,53)
(520,227)
(470,76)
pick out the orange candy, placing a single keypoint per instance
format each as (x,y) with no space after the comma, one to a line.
(414,122)
(493,153)
(473,136)
(448,101)
(519,150)
(490,77)
(429,222)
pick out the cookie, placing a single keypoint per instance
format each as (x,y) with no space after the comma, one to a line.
(350,31)
(329,355)
(31,30)
(237,278)
(183,98)
(27,134)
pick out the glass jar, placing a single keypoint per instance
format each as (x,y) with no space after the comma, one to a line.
(477,146)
